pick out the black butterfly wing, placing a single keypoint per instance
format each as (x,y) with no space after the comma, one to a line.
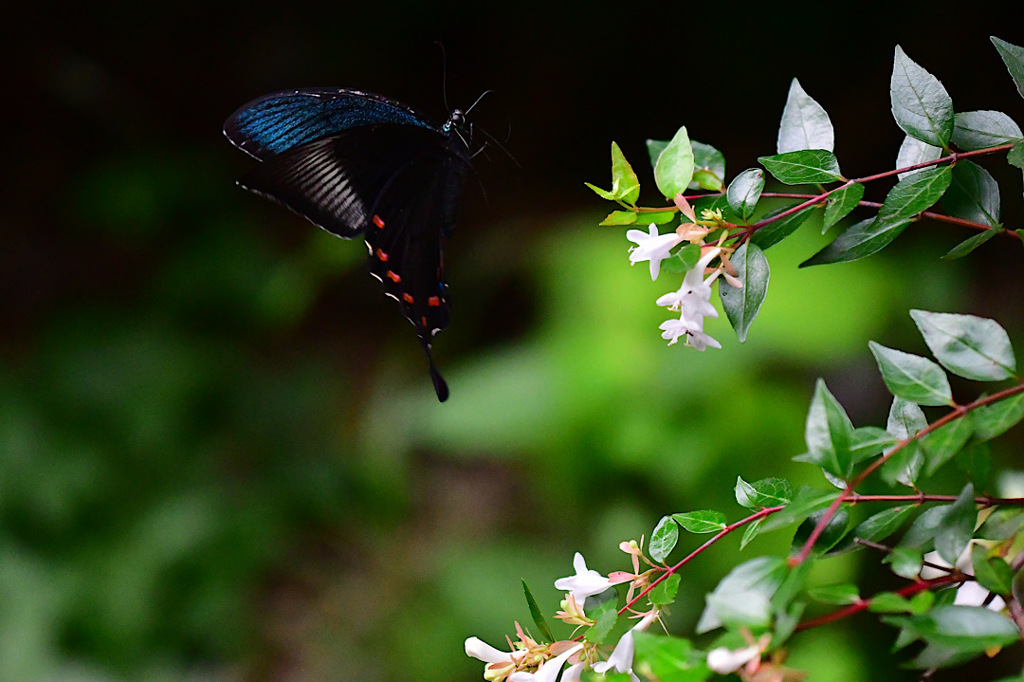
(398,186)
(277,122)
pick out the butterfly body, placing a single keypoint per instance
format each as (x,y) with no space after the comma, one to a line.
(361,165)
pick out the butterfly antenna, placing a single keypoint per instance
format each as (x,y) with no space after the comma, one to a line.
(500,146)
(444,75)
(482,95)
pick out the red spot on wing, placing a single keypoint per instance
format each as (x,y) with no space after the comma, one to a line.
(382,256)
(393,276)
(377,221)
(408,298)
(423,320)
(434,302)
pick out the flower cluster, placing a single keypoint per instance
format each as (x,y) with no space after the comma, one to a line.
(693,299)
(529,661)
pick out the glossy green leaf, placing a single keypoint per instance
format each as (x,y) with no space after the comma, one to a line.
(841,594)
(912,377)
(674,169)
(704,521)
(1015,157)
(805,124)
(956,526)
(890,602)
(1002,524)
(868,441)
(606,617)
(708,167)
(810,166)
(1013,57)
(991,572)
(620,218)
(972,347)
(663,539)
(840,203)
(920,104)
(745,191)
(805,502)
(834,531)
(827,433)
(768,492)
(905,419)
(750,532)
(962,628)
(537,614)
(971,243)
(881,525)
(668,659)
(860,240)
(741,304)
(946,441)
(913,151)
(743,597)
(665,592)
(904,562)
(973,194)
(625,185)
(994,420)
(983,129)
(773,232)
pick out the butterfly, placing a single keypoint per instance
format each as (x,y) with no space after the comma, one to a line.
(362,165)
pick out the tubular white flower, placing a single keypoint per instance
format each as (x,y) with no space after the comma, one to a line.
(652,247)
(586,582)
(724,660)
(548,671)
(481,650)
(692,300)
(621,660)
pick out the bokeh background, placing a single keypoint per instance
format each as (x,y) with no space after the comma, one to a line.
(220,454)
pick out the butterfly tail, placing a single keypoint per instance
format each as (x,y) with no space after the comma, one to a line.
(440,385)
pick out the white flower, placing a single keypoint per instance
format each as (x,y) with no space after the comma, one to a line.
(586,582)
(692,300)
(724,660)
(653,247)
(482,651)
(548,671)
(621,660)
(970,593)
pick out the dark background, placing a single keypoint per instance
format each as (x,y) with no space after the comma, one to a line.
(219,454)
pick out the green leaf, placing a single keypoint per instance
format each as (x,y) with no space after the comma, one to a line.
(664,538)
(773,232)
(1002,524)
(1015,157)
(879,526)
(655,148)
(890,602)
(537,614)
(709,167)
(750,532)
(625,185)
(992,573)
(970,244)
(983,129)
(840,203)
(745,494)
(674,169)
(972,347)
(771,492)
(840,594)
(1013,57)
(745,191)
(911,195)
(976,462)
(792,585)
(805,124)
(606,618)
(668,659)
(665,592)
(868,441)
(741,304)
(973,194)
(743,597)
(956,526)
(904,561)
(805,502)
(657,217)
(704,521)
(810,166)
(620,218)
(995,419)
(912,377)
(682,260)
(921,534)
(912,152)
(833,532)
(905,420)
(946,441)
(827,433)
(920,104)
(960,628)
